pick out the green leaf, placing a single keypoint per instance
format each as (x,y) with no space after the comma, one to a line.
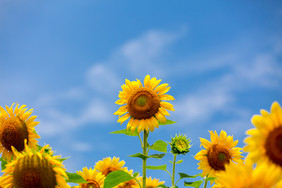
(195,184)
(159,145)
(3,163)
(174,187)
(210,178)
(136,174)
(116,177)
(126,132)
(161,167)
(75,178)
(167,122)
(142,156)
(156,156)
(179,162)
(183,175)
(161,186)
(139,155)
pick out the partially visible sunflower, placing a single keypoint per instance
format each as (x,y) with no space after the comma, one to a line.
(34,169)
(129,184)
(150,183)
(95,178)
(243,175)
(265,141)
(16,125)
(217,153)
(144,105)
(108,165)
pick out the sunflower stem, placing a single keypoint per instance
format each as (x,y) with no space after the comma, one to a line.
(206,182)
(173,170)
(145,159)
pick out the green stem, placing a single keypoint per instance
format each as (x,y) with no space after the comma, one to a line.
(206,182)
(144,160)
(173,170)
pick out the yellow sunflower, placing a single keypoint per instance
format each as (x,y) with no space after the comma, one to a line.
(265,141)
(108,165)
(150,183)
(217,153)
(130,183)
(144,105)
(16,125)
(33,168)
(243,175)
(95,178)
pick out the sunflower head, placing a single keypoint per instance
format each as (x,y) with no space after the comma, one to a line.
(109,164)
(130,183)
(16,125)
(217,153)
(180,144)
(32,168)
(243,175)
(95,179)
(150,183)
(265,141)
(144,104)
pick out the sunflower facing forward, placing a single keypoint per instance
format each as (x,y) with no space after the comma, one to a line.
(95,179)
(144,105)
(34,169)
(16,125)
(265,141)
(217,153)
(108,165)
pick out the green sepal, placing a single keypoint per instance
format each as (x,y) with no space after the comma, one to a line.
(136,174)
(161,167)
(116,177)
(75,178)
(126,132)
(62,159)
(195,184)
(159,145)
(168,122)
(3,163)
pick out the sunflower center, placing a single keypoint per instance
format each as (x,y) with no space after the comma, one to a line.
(218,156)
(143,103)
(33,172)
(181,145)
(273,145)
(91,184)
(13,131)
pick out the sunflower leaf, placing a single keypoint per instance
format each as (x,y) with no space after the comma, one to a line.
(183,175)
(161,186)
(179,162)
(195,184)
(126,132)
(116,177)
(210,178)
(139,155)
(167,122)
(156,156)
(75,178)
(136,174)
(159,145)
(161,167)
(3,163)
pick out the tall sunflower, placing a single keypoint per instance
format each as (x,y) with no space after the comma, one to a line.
(265,141)
(150,183)
(95,178)
(217,153)
(144,104)
(16,125)
(243,175)
(108,165)
(34,169)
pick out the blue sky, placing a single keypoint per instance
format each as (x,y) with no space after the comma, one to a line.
(68,59)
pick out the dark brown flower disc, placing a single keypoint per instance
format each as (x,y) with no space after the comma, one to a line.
(273,146)
(143,103)
(218,157)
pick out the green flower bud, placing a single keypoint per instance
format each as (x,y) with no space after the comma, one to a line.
(180,144)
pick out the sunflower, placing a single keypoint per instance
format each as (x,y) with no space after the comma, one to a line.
(265,141)
(144,105)
(243,175)
(150,183)
(130,183)
(217,153)
(34,169)
(95,178)
(16,125)
(108,165)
